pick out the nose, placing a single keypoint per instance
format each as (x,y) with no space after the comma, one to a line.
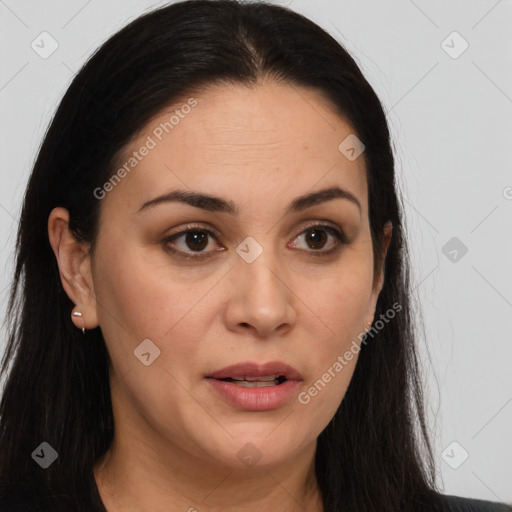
(260,298)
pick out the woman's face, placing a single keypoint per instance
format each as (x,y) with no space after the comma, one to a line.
(264,286)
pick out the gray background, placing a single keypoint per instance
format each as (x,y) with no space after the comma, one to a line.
(451,122)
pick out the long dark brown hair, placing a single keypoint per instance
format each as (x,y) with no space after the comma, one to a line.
(375,454)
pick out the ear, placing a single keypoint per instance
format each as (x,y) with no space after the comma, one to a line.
(387,230)
(379,278)
(74,263)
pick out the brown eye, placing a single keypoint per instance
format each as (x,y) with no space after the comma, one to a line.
(196,240)
(191,243)
(316,237)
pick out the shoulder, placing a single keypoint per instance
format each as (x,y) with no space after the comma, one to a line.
(450,503)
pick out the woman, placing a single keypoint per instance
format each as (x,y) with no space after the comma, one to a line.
(210,308)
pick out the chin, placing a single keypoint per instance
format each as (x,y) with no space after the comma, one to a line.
(258,450)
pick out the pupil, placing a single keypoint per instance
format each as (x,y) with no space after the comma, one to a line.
(317,237)
(197,240)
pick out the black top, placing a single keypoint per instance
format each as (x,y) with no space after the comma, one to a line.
(21,498)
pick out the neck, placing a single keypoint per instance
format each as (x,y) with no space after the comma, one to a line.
(133,476)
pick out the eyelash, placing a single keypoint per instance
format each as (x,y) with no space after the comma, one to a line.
(338,234)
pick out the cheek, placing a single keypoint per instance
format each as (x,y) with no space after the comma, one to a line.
(342,303)
(332,362)
(140,297)
(342,306)
(130,299)
(136,294)
(323,392)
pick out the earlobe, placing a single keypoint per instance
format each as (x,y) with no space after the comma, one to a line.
(74,264)
(78,314)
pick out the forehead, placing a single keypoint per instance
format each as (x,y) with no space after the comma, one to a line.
(265,137)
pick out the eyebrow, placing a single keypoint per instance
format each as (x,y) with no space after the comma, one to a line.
(218,204)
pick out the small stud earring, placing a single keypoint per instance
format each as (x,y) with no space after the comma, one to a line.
(78,313)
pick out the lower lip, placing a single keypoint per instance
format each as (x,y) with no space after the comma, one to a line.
(255,399)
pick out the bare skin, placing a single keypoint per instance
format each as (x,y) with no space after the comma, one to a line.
(177,443)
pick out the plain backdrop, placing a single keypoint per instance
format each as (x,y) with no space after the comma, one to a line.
(443,70)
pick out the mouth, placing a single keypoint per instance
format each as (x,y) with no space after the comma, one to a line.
(257,382)
(255,387)
(270,374)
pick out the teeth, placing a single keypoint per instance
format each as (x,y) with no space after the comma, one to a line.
(255,384)
(267,378)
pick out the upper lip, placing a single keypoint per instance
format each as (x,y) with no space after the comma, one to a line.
(252,369)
